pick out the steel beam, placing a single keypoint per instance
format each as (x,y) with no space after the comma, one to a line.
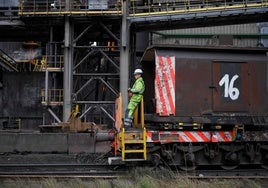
(54,115)
(84,86)
(84,59)
(68,69)
(124,54)
(83,33)
(109,59)
(110,33)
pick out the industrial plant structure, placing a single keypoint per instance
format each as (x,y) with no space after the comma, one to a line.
(66,65)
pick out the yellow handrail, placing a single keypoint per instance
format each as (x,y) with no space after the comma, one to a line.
(139,115)
(136,7)
(54,97)
(48,7)
(55,61)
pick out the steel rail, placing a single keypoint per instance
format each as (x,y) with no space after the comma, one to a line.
(119,174)
(226,173)
(27,177)
(91,170)
(227,177)
(55,165)
(103,171)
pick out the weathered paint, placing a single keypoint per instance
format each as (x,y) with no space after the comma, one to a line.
(201,76)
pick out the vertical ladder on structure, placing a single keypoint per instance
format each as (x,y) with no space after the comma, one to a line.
(134,145)
(133,141)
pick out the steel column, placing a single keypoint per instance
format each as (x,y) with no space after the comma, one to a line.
(46,88)
(124,54)
(68,69)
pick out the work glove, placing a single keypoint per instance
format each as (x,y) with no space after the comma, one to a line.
(129,89)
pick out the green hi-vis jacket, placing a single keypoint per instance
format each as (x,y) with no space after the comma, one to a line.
(137,90)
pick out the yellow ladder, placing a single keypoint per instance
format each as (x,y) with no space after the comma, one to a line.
(133,142)
(134,145)
(138,121)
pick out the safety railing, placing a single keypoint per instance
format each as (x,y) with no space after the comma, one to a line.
(54,62)
(136,7)
(52,97)
(59,7)
(39,64)
(158,7)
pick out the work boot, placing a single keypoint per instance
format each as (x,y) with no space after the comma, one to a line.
(128,122)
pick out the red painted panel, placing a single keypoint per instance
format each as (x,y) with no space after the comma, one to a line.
(165,85)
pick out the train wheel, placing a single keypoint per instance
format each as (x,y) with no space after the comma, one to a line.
(187,168)
(189,163)
(156,159)
(229,167)
(231,161)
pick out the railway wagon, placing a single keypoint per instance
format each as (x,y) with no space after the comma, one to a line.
(202,106)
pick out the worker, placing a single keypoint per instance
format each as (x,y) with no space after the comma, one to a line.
(135,94)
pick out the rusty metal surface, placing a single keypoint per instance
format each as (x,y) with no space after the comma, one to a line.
(219,80)
(193,79)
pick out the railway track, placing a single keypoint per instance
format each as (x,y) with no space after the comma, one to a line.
(225,174)
(87,171)
(59,170)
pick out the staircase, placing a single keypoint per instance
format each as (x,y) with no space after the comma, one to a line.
(7,63)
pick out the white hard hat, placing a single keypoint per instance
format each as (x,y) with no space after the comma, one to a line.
(138,71)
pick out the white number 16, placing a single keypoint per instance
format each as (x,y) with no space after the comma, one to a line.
(229,89)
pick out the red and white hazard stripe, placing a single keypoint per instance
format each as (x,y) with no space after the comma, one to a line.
(223,136)
(194,136)
(165,85)
(189,136)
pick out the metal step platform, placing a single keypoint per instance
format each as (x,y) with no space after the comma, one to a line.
(134,142)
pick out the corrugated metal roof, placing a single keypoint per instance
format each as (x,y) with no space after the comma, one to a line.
(209,36)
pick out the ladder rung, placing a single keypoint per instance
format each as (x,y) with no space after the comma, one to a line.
(134,141)
(133,160)
(135,151)
(134,131)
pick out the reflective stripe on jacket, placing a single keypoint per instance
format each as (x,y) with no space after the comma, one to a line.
(137,90)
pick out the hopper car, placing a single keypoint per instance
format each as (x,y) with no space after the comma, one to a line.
(201,106)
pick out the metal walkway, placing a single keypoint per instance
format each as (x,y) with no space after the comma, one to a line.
(137,8)
(156,14)
(202,15)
